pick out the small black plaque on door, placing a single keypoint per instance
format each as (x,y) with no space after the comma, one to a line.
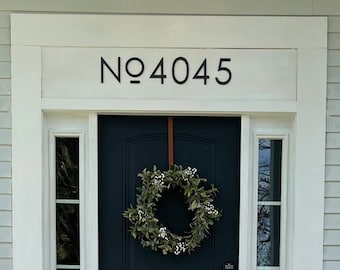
(229,266)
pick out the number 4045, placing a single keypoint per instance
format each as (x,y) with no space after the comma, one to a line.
(180,67)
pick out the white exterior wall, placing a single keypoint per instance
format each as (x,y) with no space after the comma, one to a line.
(259,7)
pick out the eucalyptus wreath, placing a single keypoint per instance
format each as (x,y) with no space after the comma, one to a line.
(150,231)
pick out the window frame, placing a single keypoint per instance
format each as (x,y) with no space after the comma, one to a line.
(51,229)
(284,137)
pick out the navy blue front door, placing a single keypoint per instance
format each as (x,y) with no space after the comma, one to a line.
(127,145)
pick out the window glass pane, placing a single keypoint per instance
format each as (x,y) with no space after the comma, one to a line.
(67,164)
(268,235)
(67,217)
(269,176)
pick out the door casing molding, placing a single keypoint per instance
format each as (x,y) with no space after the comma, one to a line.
(29,109)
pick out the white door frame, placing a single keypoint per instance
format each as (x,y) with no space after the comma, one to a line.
(306,35)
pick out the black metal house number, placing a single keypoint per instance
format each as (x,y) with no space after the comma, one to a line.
(134,68)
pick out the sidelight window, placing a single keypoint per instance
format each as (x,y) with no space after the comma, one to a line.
(67,204)
(270,190)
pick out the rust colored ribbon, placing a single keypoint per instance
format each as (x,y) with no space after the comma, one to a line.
(170,141)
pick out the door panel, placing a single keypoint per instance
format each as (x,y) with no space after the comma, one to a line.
(127,145)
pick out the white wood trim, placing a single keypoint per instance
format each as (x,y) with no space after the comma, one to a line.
(50,227)
(67,201)
(91,193)
(307,250)
(169,106)
(268,268)
(245,231)
(27,158)
(286,170)
(64,266)
(269,203)
(82,198)
(254,191)
(169,31)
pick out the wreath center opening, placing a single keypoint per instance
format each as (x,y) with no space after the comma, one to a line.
(173,211)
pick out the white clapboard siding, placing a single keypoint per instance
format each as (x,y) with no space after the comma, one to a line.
(5,187)
(333,23)
(5,119)
(333,91)
(5,234)
(239,7)
(4,19)
(332,206)
(331,252)
(6,264)
(331,265)
(332,190)
(5,86)
(333,173)
(5,153)
(5,53)
(6,261)
(333,125)
(5,103)
(326,7)
(332,157)
(333,74)
(5,170)
(332,221)
(332,185)
(5,250)
(5,202)
(5,219)
(332,238)
(5,36)
(5,70)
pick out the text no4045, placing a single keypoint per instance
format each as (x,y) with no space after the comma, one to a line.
(178,70)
